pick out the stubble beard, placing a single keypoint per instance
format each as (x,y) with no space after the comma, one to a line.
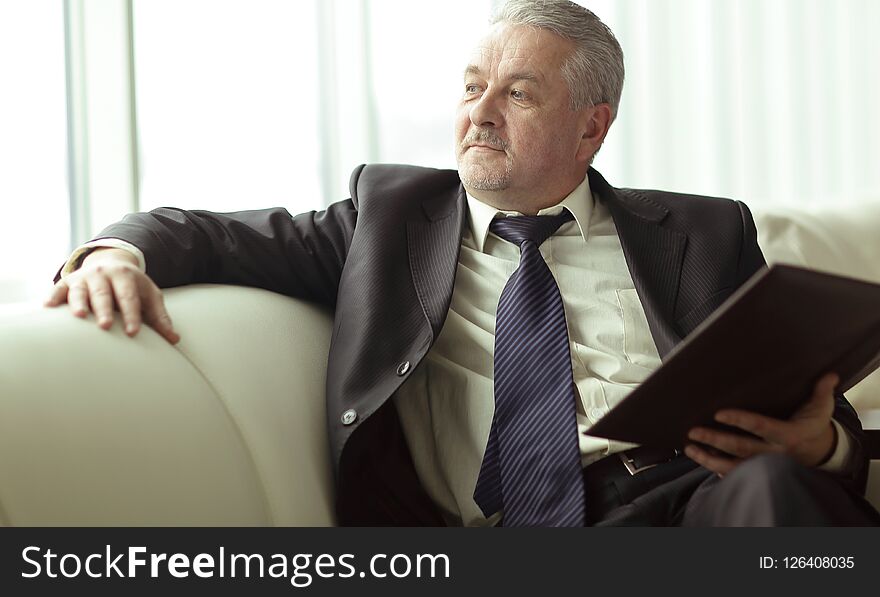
(480,176)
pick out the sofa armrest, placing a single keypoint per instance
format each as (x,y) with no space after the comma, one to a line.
(226,428)
(871,424)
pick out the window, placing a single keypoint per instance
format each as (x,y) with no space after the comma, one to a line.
(34,225)
(418,75)
(245,104)
(227,104)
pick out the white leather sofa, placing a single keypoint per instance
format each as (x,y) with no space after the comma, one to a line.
(228,427)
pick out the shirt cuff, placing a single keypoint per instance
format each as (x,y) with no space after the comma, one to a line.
(82,251)
(840,457)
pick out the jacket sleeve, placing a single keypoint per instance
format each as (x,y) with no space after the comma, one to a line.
(299,256)
(855,473)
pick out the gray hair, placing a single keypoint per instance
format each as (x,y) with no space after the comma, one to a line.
(594,72)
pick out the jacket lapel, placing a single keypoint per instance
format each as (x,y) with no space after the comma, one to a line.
(653,254)
(434,242)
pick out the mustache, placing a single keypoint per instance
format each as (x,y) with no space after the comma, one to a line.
(485,137)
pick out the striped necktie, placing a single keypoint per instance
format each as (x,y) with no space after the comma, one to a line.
(531,468)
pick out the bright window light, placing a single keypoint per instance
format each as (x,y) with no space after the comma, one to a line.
(419,74)
(34,226)
(226,104)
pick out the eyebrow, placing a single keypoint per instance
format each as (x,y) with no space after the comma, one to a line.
(473,69)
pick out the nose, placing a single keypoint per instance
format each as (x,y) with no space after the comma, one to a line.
(487,112)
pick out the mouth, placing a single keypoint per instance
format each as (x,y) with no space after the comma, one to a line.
(484,147)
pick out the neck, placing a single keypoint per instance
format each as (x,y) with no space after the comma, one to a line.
(525,203)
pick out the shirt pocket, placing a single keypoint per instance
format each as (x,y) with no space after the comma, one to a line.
(638,343)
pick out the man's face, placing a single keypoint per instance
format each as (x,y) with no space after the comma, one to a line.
(518,142)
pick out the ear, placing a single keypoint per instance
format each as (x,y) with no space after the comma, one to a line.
(596,121)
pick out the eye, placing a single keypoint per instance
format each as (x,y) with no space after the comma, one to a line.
(518,95)
(471,88)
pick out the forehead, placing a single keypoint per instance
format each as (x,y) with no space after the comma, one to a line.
(518,48)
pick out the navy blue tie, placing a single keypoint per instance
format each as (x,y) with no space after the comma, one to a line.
(532,467)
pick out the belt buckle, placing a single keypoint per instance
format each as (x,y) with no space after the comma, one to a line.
(634,470)
(630,465)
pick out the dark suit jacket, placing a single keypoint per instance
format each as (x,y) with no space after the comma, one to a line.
(385,261)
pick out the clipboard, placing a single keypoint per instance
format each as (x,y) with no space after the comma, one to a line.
(762,350)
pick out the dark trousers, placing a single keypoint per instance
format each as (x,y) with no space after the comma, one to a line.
(766,490)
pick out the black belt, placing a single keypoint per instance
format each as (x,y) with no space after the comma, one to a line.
(629,463)
(621,477)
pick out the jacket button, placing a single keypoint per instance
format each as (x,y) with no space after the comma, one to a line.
(349,416)
(403,368)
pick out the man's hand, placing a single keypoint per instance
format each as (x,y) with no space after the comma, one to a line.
(110,278)
(808,436)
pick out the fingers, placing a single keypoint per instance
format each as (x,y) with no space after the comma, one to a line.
(100,298)
(105,286)
(768,428)
(734,444)
(813,413)
(715,463)
(827,383)
(58,295)
(738,447)
(157,317)
(807,435)
(78,297)
(822,400)
(125,289)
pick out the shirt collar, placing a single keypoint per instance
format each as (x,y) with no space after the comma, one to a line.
(579,202)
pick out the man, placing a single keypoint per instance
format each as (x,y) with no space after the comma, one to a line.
(485,318)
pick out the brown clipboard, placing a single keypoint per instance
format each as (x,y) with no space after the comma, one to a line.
(762,350)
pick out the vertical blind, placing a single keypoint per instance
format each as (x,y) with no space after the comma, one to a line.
(772,102)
